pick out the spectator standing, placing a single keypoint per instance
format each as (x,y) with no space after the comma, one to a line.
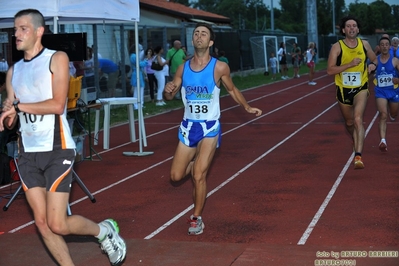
(282,58)
(160,75)
(150,78)
(89,68)
(273,65)
(394,51)
(133,78)
(175,56)
(296,58)
(310,63)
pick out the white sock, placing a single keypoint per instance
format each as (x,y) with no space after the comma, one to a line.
(103,232)
(383,140)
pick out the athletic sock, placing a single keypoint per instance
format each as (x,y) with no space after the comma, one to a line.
(103,232)
(358,154)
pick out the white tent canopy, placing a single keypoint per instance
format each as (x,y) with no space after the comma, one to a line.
(73,11)
(80,12)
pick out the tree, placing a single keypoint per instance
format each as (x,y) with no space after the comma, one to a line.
(253,14)
(377,15)
(395,14)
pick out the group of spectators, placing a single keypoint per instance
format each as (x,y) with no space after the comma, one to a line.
(156,77)
(297,58)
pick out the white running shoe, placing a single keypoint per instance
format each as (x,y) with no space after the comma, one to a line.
(196,225)
(312,83)
(113,245)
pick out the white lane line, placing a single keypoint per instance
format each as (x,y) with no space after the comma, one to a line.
(330,194)
(224,110)
(168,159)
(164,226)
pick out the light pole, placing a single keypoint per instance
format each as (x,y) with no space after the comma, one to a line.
(271,15)
(333,16)
(256,17)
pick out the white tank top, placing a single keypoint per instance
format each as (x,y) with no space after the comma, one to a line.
(32,83)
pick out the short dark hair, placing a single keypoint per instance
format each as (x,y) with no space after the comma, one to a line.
(345,19)
(157,49)
(384,38)
(209,27)
(149,49)
(37,17)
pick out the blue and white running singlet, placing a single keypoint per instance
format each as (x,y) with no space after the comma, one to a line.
(200,96)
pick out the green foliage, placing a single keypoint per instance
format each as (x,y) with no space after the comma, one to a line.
(254,14)
(377,15)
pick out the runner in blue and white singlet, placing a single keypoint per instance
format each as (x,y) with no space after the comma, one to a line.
(200,96)
(199,133)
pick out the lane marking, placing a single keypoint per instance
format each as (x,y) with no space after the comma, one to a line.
(330,194)
(164,226)
(168,159)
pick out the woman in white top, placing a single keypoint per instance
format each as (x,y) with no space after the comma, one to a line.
(310,62)
(160,75)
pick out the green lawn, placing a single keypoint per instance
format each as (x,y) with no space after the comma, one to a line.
(119,114)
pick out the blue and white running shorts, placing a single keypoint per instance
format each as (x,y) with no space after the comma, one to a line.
(192,132)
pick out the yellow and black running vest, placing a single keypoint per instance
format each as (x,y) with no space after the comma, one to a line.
(356,76)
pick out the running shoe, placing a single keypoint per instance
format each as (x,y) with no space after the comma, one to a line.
(113,245)
(196,225)
(383,146)
(358,162)
(312,83)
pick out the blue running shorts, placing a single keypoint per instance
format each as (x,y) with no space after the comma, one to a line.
(390,95)
(192,132)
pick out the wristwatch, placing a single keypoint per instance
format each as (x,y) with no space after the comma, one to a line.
(15,103)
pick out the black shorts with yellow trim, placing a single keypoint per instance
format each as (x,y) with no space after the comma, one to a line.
(347,95)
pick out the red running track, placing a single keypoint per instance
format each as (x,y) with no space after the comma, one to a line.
(282,190)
